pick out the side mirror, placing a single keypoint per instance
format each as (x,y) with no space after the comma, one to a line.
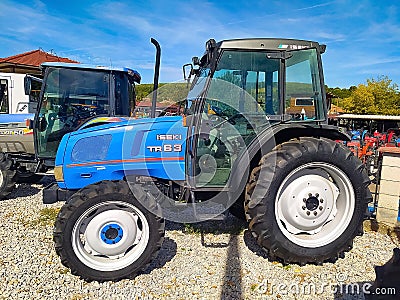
(188,67)
(27,85)
(210,45)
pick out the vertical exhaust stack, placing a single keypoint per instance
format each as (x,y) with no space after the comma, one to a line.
(156,76)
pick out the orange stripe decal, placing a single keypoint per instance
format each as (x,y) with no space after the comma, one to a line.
(119,161)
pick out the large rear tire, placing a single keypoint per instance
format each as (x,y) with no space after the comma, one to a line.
(306,201)
(104,233)
(7,176)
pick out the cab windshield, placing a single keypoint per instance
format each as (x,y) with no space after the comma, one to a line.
(254,83)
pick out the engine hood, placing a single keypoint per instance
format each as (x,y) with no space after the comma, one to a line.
(102,123)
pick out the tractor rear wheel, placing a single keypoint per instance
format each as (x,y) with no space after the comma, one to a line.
(104,233)
(306,201)
(7,176)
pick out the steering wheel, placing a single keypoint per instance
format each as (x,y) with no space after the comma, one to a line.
(231,119)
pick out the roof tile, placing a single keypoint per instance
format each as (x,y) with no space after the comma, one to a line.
(34,58)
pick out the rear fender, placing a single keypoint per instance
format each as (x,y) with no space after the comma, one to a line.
(266,141)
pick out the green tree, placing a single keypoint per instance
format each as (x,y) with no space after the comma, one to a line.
(361,101)
(379,96)
(143,90)
(340,93)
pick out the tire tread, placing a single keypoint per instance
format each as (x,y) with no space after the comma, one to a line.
(256,206)
(78,199)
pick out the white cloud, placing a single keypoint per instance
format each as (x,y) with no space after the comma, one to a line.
(370,61)
(316,6)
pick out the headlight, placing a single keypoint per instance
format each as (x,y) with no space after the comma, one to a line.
(58,173)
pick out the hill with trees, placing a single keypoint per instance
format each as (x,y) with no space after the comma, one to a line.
(166,91)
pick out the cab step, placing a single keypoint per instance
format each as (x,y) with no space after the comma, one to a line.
(211,217)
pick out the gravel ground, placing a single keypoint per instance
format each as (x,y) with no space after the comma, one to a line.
(225,266)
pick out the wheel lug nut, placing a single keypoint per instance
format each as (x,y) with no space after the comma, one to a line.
(304,208)
(321,200)
(308,212)
(315,212)
(317,195)
(304,199)
(321,208)
(309,195)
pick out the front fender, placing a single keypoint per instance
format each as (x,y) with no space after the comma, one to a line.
(59,161)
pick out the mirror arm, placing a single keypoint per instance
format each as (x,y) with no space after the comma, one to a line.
(187,78)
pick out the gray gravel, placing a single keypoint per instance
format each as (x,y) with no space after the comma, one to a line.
(225,266)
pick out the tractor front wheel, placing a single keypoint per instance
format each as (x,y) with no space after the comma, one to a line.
(306,201)
(104,233)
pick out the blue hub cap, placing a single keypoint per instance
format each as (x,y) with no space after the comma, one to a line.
(111,233)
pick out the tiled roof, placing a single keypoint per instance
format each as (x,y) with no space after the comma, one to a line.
(34,58)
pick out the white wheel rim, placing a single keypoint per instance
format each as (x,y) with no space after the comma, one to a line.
(1,178)
(110,236)
(315,204)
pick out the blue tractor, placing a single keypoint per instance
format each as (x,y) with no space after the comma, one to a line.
(234,146)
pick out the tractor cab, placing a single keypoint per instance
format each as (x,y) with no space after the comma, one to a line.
(242,88)
(72,94)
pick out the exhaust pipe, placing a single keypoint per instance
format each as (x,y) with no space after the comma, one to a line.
(156,76)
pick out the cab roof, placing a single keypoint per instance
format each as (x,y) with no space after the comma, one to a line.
(135,74)
(269,44)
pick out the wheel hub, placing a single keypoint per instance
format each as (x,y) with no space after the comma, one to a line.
(312,203)
(307,204)
(111,233)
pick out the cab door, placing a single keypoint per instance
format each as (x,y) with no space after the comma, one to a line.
(240,100)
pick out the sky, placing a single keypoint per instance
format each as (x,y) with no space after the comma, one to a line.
(362,37)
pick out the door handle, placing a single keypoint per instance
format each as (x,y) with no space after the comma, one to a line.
(86,175)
